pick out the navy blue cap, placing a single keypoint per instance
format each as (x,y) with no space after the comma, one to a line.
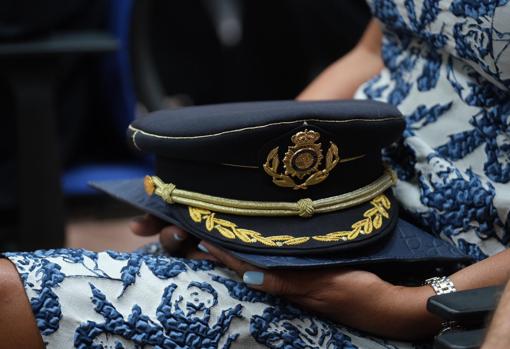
(284,179)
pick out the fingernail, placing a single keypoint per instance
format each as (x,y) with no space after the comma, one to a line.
(202,248)
(138,218)
(178,237)
(253,277)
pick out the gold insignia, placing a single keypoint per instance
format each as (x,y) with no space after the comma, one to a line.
(302,160)
(305,156)
(371,222)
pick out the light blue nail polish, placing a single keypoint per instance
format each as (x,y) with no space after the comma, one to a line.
(202,248)
(253,277)
(178,237)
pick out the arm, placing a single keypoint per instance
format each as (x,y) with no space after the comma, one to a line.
(498,336)
(407,306)
(409,303)
(361,299)
(341,79)
(492,271)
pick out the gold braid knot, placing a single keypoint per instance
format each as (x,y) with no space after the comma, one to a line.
(306,208)
(160,188)
(166,192)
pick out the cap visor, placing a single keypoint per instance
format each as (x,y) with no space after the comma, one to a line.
(408,244)
(405,243)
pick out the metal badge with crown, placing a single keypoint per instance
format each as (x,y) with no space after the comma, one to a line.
(301,160)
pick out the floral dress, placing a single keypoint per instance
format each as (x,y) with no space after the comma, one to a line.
(447,68)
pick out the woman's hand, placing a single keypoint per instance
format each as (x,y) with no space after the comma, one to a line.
(173,239)
(355,298)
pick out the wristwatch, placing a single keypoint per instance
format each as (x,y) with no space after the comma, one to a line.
(441,285)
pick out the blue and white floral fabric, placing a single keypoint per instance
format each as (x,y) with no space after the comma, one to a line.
(83,299)
(447,68)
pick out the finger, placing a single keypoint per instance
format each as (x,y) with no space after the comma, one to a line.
(268,281)
(193,253)
(146,225)
(172,238)
(186,248)
(227,259)
(177,242)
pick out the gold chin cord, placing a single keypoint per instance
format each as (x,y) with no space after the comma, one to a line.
(303,208)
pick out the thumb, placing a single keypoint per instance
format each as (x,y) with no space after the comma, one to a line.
(146,225)
(172,238)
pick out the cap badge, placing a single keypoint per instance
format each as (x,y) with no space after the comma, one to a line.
(302,160)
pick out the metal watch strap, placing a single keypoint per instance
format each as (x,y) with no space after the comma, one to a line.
(441,285)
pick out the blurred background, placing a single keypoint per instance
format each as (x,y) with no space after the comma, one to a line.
(75,73)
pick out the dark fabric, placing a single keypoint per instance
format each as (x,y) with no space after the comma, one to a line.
(254,184)
(297,227)
(132,192)
(408,244)
(211,119)
(196,147)
(237,133)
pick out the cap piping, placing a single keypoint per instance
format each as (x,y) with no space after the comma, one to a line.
(138,131)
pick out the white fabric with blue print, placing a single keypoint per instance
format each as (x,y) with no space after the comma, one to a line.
(447,69)
(83,299)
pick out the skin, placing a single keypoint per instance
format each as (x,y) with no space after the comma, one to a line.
(498,335)
(366,302)
(17,323)
(342,78)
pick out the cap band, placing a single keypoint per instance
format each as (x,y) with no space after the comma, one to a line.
(304,208)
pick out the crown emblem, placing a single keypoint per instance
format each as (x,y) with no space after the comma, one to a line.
(305,137)
(305,156)
(301,160)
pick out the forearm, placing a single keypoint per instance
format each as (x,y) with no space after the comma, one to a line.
(498,335)
(494,270)
(375,306)
(341,79)
(400,313)
(409,309)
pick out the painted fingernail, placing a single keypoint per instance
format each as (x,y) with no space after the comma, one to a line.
(253,277)
(202,248)
(178,237)
(138,219)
